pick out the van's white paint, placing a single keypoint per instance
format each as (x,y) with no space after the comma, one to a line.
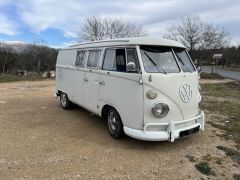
(126,92)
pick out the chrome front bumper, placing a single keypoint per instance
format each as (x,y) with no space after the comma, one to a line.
(172,132)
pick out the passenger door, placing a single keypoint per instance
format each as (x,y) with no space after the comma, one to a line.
(79,75)
(91,81)
(120,88)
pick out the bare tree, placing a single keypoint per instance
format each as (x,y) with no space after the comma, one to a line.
(93,29)
(98,28)
(214,38)
(6,56)
(36,53)
(196,34)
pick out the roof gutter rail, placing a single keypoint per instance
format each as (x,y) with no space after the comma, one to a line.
(94,42)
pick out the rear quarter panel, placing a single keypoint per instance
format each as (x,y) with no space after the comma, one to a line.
(65,72)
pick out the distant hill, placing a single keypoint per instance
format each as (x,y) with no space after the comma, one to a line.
(18,46)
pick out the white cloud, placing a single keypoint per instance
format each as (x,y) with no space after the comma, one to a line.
(160,29)
(154,15)
(40,15)
(14,42)
(225,14)
(4,2)
(70,34)
(7,26)
(63,44)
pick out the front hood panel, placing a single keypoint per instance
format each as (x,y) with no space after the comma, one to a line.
(178,90)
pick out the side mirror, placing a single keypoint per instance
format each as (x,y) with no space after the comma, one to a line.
(131,67)
(199,69)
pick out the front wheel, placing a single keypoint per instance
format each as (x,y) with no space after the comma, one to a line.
(115,126)
(65,102)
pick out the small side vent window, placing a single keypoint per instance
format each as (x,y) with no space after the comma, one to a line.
(81,55)
(132,57)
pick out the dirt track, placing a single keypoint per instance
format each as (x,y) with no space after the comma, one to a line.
(40,140)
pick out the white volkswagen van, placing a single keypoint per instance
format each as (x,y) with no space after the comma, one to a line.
(146,88)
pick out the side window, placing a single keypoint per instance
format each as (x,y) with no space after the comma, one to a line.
(109,60)
(132,57)
(115,60)
(93,58)
(81,55)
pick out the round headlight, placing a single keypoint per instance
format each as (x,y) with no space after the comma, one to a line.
(151,94)
(160,110)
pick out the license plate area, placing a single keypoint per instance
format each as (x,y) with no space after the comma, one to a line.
(189,131)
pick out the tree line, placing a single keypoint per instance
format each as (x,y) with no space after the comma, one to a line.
(230,56)
(202,39)
(35,57)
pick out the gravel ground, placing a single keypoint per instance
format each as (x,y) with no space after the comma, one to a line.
(40,140)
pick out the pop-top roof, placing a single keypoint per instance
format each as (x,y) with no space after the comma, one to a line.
(128,41)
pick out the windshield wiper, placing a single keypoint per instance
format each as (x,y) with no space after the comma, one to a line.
(154,63)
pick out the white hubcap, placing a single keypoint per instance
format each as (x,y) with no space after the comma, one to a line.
(64,100)
(111,121)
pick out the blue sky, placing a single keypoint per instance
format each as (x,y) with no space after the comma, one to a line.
(58,22)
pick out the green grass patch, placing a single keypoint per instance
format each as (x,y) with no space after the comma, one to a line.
(230,89)
(13,78)
(204,168)
(236,176)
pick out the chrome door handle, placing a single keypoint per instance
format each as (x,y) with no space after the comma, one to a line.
(86,79)
(102,83)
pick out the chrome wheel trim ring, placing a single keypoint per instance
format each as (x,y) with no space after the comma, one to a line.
(111,122)
(64,100)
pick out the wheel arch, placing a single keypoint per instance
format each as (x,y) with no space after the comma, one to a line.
(105,109)
(58,92)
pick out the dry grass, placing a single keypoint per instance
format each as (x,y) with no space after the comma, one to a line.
(224,99)
(13,78)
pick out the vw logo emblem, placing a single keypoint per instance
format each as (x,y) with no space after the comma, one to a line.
(185,92)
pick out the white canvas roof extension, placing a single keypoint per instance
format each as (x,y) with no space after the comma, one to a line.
(128,41)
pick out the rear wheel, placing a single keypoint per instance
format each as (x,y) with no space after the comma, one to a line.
(115,126)
(65,102)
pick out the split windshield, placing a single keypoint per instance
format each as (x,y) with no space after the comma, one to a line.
(158,59)
(183,60)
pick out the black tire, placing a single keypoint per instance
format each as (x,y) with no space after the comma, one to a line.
(115,126)
(65,102)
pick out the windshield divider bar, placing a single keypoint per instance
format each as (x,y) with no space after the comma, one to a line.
(176,60)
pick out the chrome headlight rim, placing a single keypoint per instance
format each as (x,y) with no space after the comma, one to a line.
(165,109)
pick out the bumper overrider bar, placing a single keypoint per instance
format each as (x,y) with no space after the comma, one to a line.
(172,132)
